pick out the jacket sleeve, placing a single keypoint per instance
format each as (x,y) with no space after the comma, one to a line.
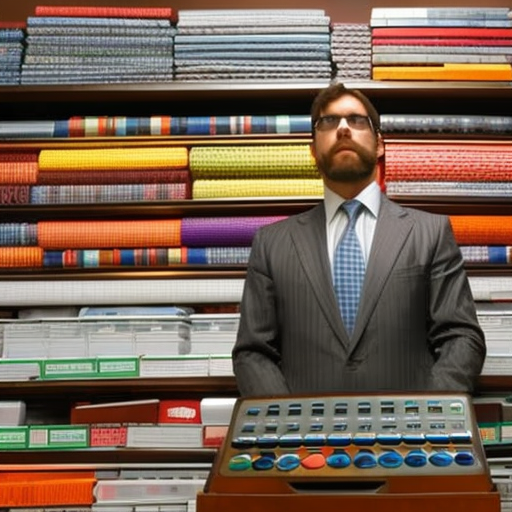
(455,336)
(256,354)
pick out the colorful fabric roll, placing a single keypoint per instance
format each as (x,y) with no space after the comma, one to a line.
(121,193)
(498,254)
(294,187)
(482,229)
(266,161)
(448,162)
(21,257)
(113,159)
(102,234)
(114,177)
(140,257)
(222,231)
(18,234)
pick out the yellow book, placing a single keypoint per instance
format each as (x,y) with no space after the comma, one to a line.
(469,72)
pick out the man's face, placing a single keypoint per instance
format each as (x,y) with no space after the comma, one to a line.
(344,153)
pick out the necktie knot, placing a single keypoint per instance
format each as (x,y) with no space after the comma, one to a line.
(353,208)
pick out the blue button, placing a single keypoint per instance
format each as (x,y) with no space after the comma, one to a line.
(365,459)
(464,459)
(339,459)
(264,462)
(339,439)
(288,462)
(243,442)
(390,460)
(416,459)
(441,459)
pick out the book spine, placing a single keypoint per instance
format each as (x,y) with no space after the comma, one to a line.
(105,12)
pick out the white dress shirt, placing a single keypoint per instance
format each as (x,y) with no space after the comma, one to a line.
(336,220)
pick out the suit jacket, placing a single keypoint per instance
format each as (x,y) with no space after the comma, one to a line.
(416,328)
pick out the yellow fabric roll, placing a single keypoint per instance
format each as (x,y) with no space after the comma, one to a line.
(210,189)
(266,161)
(113,159)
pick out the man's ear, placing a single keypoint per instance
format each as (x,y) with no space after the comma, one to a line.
(380,146)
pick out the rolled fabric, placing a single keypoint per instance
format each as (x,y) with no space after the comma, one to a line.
(482,229)
(102,234)
(21,257)
(222,231)
(113,159)
(293,187)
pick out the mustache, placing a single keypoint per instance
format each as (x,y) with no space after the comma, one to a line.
(345,144)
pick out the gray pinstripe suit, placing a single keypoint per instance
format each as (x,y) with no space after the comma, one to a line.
(416,328)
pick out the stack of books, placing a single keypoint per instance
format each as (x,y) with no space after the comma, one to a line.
(12,37)
(351,49)
(253,44)
(81,45)
(442,43)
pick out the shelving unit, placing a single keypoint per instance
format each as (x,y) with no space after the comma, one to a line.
(45,102)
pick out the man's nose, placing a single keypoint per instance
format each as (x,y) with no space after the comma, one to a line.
(343,125)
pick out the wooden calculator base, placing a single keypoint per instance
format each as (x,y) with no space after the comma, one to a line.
(438,502)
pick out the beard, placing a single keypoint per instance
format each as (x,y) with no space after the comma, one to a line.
(355,164)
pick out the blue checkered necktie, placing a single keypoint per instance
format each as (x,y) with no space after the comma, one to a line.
(349,267)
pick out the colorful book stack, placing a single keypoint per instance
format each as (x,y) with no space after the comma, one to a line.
(351,49)
(81,45)
(12,37)
(253,44)
(262,170)
(454,44)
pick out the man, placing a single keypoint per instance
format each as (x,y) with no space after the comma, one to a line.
(415,328)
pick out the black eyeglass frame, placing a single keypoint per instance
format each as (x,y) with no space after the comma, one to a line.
(355,121)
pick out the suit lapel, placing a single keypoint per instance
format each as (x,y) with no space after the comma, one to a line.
(311,243)
(392,229)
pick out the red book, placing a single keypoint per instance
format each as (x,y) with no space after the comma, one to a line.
(180,411)
(441,32)
(104,12)
(130,411)
(13,24)
(447,41)
(107,435)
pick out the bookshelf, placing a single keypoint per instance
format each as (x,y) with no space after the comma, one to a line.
(46,102)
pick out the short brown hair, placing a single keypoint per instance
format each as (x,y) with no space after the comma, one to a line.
(333,92)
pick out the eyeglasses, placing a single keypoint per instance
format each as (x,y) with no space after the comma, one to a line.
(332,121)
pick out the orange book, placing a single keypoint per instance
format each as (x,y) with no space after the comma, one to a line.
(39,489)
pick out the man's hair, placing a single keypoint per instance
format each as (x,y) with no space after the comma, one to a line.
(332,93)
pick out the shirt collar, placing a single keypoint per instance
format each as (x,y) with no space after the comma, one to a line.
(370,197)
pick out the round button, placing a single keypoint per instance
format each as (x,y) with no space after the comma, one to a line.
(313,461)
(464,459)
(416,459)
(441,459)
(339,459)
(365,459)
(240,462)
(390,460)
(264,462)
(288,462)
